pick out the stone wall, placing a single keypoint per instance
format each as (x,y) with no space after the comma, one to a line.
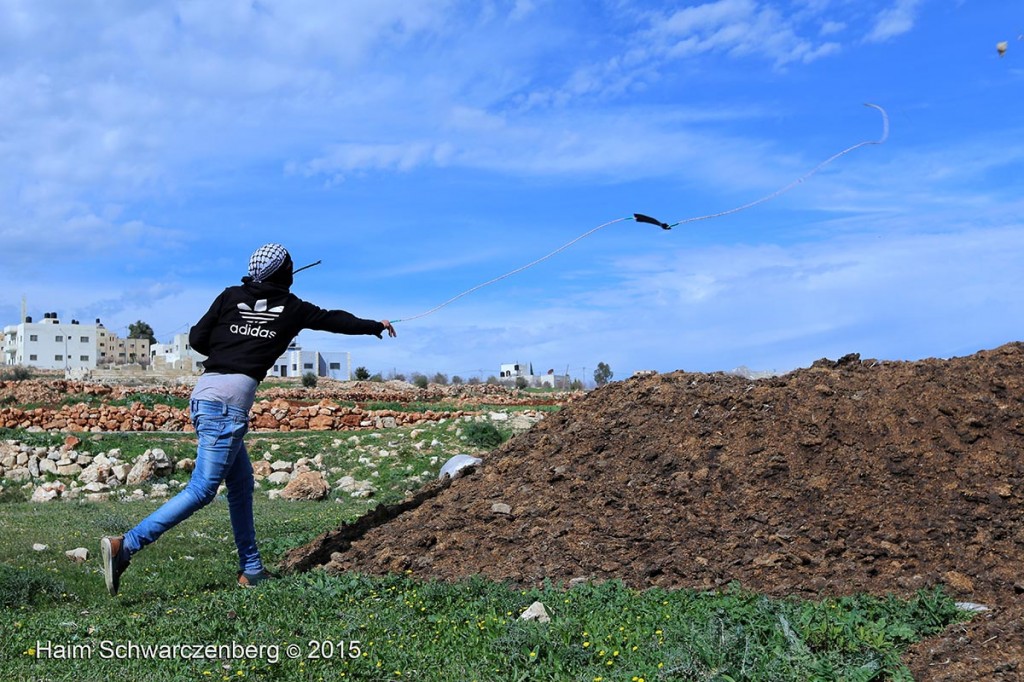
(276,415)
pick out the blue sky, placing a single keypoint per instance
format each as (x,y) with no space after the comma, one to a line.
(420,148)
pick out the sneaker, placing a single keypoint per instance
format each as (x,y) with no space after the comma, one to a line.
(254,579)
(115,560)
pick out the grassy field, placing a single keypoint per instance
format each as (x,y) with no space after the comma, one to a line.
(180,616)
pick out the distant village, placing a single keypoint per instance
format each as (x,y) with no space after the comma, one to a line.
(93,351)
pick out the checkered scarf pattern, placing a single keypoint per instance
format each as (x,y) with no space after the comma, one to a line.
(266,260)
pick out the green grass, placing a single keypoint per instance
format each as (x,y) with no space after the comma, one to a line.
(180,591)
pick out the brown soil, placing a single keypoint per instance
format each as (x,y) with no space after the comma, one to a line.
(849,476)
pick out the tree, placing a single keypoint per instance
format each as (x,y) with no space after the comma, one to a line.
(420,380)
(441,379)
(457,380)
(603,374)
(362,374)
(521,383)
(141,330)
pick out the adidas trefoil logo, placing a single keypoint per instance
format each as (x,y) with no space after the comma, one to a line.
(256,316)
(259,313)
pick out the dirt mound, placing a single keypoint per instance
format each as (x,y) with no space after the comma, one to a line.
(848,476)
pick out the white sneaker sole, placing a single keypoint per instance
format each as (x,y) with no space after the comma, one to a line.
(107,557)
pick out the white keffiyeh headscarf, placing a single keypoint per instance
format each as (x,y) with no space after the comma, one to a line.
(266,260)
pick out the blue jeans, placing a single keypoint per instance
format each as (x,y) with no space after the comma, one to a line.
(221,456)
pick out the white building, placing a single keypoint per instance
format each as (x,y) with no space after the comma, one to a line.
(296,362)
(176,355)
(512,371)
(51,344)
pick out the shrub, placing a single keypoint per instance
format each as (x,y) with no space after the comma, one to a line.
(362,374)
(420,381)
(309,380)
(16,373)
(482,434)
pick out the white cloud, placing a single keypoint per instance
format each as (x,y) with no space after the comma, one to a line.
(738,28)
(894,21)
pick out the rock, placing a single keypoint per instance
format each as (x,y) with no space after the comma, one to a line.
(501,508)
(39,547)
(96,472)
(261,469)
(71,442)
(187,465)
(274,494)
(95,487)
(536,612)
(120,472)
(69,469)
(279,477)
(143,470)
(48,491)
(16,475)
(164,465)
(150,464)
(309,485)
(281,465)
(321,423)
(78,555)
(47,466)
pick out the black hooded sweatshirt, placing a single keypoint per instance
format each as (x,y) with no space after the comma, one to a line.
(248,327)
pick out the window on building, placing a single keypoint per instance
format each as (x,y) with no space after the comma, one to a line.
(33,337)
(84,339)
(58,357)
(295,367)
(33,358)
(59,339)
(83,358)
(335,365)
(307,365)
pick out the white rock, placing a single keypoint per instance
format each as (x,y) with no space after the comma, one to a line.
(120,472)
(78,555)
(280,465)
(501,508)
(48,491)
(279,477)
(536,612)
(39,547)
